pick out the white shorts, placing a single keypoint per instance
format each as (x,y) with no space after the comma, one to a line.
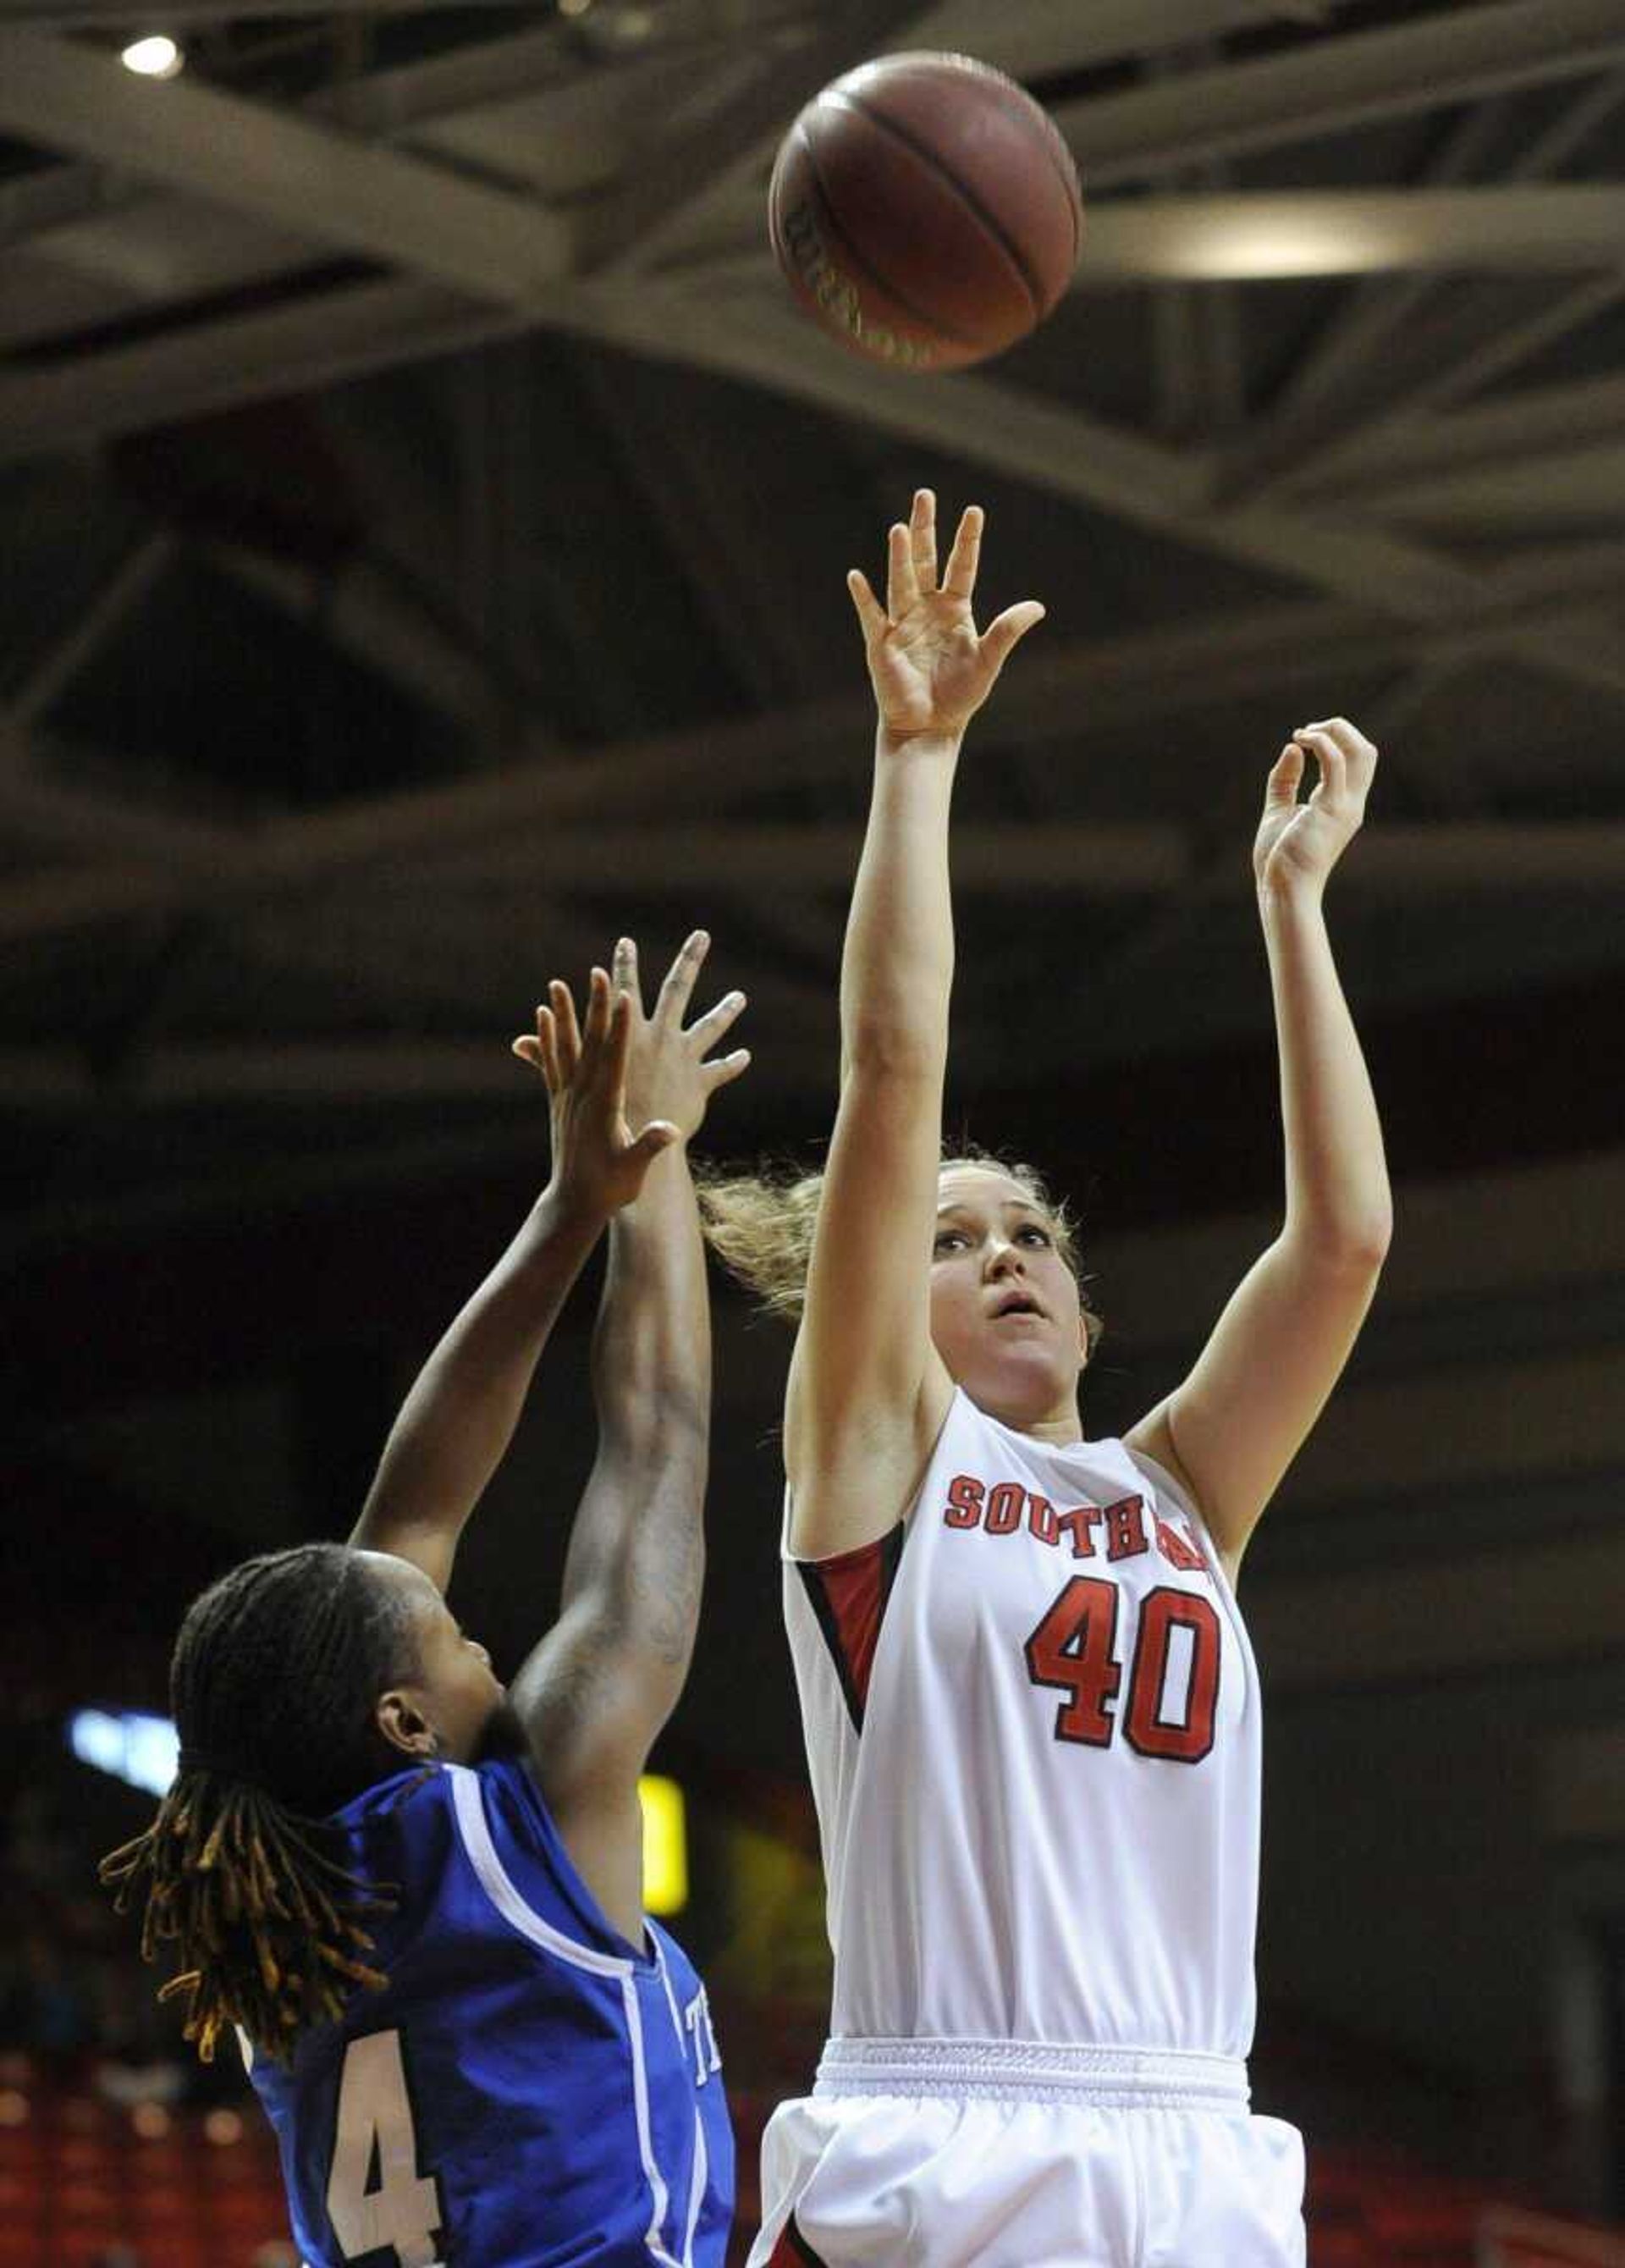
(1039,2157)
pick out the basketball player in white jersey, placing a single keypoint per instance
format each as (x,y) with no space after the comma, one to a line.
(1032,1712)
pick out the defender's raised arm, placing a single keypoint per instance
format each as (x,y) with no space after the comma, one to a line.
(456,1422)
(595,1693)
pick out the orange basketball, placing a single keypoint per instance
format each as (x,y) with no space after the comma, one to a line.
(926,210)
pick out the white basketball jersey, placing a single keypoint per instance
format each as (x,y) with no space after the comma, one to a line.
(1031,1718)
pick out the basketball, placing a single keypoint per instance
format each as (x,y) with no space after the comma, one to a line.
(926,210)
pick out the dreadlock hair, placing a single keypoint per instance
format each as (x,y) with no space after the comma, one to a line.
(760,1225)
(272,1683)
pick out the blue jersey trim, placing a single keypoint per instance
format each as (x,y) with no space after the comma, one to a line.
(701,2155)
(511,1782)
(468,1804)
(474,1828)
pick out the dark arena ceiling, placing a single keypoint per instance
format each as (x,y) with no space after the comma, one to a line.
(423,517)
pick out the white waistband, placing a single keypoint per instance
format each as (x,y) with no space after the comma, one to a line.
(1036,2071)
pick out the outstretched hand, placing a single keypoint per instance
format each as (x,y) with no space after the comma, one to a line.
(622,1071)
(1297,844)
(930,669)
(599,1163)
(668,1074)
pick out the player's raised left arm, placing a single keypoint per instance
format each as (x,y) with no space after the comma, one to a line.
(1232,1429)
(460,1417)
(595,1693)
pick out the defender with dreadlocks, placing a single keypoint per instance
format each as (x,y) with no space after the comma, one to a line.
(417,1897)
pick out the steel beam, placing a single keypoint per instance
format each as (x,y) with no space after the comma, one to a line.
(178,851)
(727,145)
(1320,395)
(1071,860)
(359,610)
(1037,38)
(317,341)
(40,15)
(1564,488)
(1342,83)
(57,94)
(1330,85)
(982,421)
(53,670)
(1479,436)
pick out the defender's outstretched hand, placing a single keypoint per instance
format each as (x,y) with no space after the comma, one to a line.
(1298,843)
(930,669)
(599,1163)
(668,1075)
(626,1070)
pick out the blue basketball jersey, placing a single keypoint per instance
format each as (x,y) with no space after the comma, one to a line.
(530,2091)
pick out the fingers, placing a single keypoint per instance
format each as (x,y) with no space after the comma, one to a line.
(1358,752)
(543,1052)
(922,540)
(567,1032)
(902,584)
(616,1031)
(725,1069)
(708,1029)
(623,973)
(1285,778)
(592,1057)
(596,1052)
(1002,636)
(599,999)
(640,1154)
(871,613)
(1348,736)
(911,564)
(680,977)
(963,561)
(1332,760)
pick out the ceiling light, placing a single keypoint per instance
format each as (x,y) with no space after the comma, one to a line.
(156,57)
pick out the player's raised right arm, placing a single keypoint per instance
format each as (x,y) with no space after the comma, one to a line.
(867,1392)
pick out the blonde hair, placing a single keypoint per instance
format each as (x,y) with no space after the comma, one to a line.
(761,1224)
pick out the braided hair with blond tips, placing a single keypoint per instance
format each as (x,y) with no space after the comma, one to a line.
(272,1686)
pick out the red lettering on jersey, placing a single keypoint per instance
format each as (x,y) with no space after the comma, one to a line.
(1079,1524)
(1178,1551)
(1125,1528)
(1004,1508)
(1073,1648)
(964,1495)
(1189,1738)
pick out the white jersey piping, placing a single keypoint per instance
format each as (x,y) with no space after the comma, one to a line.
(474,1828)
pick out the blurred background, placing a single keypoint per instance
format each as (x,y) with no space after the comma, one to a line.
(422,524)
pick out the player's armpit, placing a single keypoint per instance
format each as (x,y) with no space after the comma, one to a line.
(602,1831)
(859,1479)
